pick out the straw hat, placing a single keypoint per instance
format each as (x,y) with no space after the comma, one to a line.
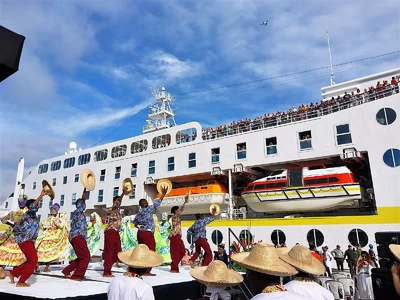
(129,185)
(302,259)
(162,183)
(216,205)
(88,179)
(395,249)
(216,274)
(140,257)
(282,250)
(48,189)
(264,258)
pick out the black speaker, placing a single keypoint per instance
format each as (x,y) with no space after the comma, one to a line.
(388,237)
(382,283)
(10,52)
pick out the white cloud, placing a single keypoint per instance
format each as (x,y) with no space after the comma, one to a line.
(120,74)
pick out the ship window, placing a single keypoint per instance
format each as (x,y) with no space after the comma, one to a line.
(189,238)
(40,203)
(118,151)
(51,202)
(332,179)
(315,238)
(39,217)
(100,155)
(152,166)
(54,181)
(161,141)
(386,116)
(69,162)
(192,160)
(215,155)
(84,159)
(317,167)
(343,135)
(305,140)
(73,198)
(139,146)
(62,200)
(103,175)
(216,237)
(185,136)
(171,163)
(117,173)
(65,179)
(134,170)
(133,195)
(116,192)
(278,237)
(87,195)
(43,168)
(270,144)
(270,185)
(276,172)
(6,205)
(100,196)
(358,236)
(246,238)
(241,150)
(55,165)
(34,185)
(76,179)
(392,158)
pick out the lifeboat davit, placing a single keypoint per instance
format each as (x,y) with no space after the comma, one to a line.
(202,196)
(304,189)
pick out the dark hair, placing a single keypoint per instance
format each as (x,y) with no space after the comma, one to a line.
(198,216)
(138,271)
(221,246)
(115,198)
(141,201)
(29,202)
(174,209)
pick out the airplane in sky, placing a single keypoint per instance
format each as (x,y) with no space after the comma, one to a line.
(265,23)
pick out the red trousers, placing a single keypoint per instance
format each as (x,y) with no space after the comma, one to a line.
(80,264)
(147,238)
(112,246)
(201,243)
(25,270)
(177,250)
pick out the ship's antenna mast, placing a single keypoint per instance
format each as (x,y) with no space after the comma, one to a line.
(330,58)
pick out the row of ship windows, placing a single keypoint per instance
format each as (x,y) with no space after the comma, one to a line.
(385,116)
(314,237)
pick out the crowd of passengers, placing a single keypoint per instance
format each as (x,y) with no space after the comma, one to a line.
(381,90)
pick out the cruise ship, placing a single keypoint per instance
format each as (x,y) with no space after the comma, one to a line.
(325,175)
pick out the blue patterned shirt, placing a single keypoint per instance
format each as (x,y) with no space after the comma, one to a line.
(28,228)
(198,229)
(144,219)
(78,221)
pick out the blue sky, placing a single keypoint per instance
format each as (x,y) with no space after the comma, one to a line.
(86,65)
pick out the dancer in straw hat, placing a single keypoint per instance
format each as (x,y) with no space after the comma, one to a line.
(112,240)
(177,247)
(395,249)
(198,230)
(216,276)
(303,260)
(131,285)
(25,234)
(145,223)
(264,269)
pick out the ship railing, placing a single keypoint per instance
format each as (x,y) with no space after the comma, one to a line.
(325,108)
(154,125)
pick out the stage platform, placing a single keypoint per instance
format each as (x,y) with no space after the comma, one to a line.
(54,285)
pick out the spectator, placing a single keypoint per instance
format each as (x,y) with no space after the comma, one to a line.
(350,255)
(186,258)
(221,254)
(338,256)
(364,281)
(327,260)
(372,254)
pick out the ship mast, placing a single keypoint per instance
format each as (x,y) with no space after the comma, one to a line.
(161,114)
(330,58)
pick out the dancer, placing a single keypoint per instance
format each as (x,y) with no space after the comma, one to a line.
(77,237)
(53,243)
(112,241)
(145,223)
(303,260)
(177,247)
(131,285)
(128,240)
(26,233)
(198,230)
(364,282)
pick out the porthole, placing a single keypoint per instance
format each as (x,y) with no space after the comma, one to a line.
(358,236)
(386,116)
(392,158)
(189,238)
(315,237)
(216,237)
(246,237)
(278,237)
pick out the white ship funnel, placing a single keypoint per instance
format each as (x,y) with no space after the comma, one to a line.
(17,189)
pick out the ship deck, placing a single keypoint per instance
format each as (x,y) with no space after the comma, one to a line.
(54,285)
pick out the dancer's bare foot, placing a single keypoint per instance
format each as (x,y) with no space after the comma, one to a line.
(191,264)
(67,275)
(75,279)
(149,274)
(2,274)
(47,270)
(108,275)
(11,276)
(174,271)
(116,265)
(37,269)
(23,284)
